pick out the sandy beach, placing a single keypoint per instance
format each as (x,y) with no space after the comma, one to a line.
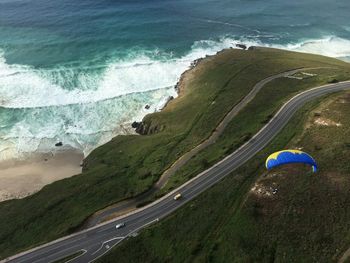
(19,179)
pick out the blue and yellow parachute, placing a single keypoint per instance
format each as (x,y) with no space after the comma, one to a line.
(290,156)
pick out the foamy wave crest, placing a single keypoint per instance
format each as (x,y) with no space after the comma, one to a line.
(330,46)
(25,87)
(22,86)
(79,126)
(86,106)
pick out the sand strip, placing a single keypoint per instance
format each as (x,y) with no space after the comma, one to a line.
(19,179)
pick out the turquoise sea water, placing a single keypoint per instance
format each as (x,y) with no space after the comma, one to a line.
(81,71)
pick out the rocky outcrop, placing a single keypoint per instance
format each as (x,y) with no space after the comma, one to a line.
(195,63)
(242,46)
(136,124)
(142,129)
(147,128)
(58,144)
(170,98)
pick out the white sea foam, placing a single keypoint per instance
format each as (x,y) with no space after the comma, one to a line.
(90,113)
(25,87)
(84,109)
(81,126)
(328,46)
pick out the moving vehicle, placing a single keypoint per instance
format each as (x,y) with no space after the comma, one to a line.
(120,225)
(177,196)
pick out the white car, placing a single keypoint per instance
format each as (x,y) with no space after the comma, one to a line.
(177,196)
(120,225)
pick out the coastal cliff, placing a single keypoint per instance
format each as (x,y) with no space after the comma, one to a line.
(149,125)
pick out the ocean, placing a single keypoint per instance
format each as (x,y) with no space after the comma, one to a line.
(79,72)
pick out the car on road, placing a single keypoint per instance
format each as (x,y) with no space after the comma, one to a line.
(178,196)
(120,225)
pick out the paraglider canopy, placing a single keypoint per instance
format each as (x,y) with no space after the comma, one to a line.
(290,156)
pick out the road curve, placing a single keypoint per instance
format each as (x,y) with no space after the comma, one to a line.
(131,204)
(98,240)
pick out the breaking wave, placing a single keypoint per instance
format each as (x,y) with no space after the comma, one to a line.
(85,107)
(25,87)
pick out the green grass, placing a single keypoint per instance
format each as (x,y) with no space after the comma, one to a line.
(306,221)
(129,165)
(262,108)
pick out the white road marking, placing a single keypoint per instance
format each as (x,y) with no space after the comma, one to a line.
(104,242)
(149,223)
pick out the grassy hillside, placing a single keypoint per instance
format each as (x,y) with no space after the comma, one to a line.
(253,117)
(242,220)
(129,165)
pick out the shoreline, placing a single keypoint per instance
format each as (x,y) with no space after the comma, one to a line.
(141,127)
(21,178)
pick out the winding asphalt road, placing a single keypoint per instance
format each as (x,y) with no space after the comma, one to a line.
(98,240)
(131,204)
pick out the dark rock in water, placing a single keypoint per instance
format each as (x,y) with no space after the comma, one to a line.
(147,107)
(59,144)
(242,46)
(135,124)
